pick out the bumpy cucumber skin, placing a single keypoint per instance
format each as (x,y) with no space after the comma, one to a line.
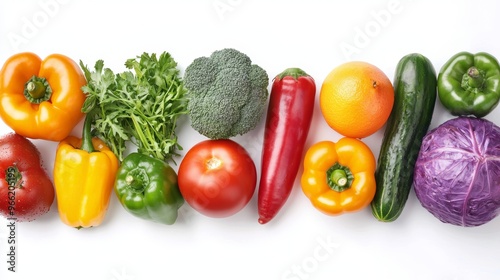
(415,89)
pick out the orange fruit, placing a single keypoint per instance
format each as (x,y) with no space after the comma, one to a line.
(356,99)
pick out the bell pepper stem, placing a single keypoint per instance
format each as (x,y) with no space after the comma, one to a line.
(37,90)
(87,135)
(295,73)
(475,78)
(339,178)
(137,179)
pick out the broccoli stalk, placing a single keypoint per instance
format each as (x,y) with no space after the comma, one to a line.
(227,94)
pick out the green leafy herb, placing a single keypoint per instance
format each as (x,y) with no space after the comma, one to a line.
(141,105)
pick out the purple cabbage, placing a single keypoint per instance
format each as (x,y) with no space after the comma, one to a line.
(457,173)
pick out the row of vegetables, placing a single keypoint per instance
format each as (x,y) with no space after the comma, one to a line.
(453,168)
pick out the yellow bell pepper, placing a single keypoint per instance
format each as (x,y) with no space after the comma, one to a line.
(41,99)
(339,177)
(84,174)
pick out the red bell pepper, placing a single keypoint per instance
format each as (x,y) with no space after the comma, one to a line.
(289,116)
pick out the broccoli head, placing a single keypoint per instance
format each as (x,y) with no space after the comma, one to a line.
(227,94)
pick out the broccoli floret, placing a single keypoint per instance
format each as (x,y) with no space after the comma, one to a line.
(227,94)
(201,74)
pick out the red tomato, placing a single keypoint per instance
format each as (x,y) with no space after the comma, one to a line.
(217,177)
(26,191)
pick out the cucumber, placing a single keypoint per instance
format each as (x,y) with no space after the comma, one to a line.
(415,91)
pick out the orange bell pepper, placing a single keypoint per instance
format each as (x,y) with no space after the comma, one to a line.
(41,99)
(84,175)
(339,177)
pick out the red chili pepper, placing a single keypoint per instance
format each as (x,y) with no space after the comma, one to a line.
(289,115)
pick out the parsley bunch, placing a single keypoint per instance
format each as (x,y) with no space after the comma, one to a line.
(141,105)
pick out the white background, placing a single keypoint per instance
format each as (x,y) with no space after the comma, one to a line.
(300,243)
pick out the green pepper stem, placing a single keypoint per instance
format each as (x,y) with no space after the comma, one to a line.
(87,135)
(339,178)
(37,90)
(293,72)
(475,77)
(137,179)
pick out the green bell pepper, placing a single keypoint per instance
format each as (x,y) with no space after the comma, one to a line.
(469,84)
(147,188)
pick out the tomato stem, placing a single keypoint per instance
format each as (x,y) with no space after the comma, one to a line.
(13,177)
(213,163)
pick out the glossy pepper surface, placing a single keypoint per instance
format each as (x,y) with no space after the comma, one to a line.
(147,188)
(469,84)
(339,177)
(84,174)
(41,99)
(289,116)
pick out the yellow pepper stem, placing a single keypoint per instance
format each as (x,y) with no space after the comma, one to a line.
(87,135)
(339,178)
(37,90)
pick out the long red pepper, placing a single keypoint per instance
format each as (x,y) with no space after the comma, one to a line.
(289,115)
